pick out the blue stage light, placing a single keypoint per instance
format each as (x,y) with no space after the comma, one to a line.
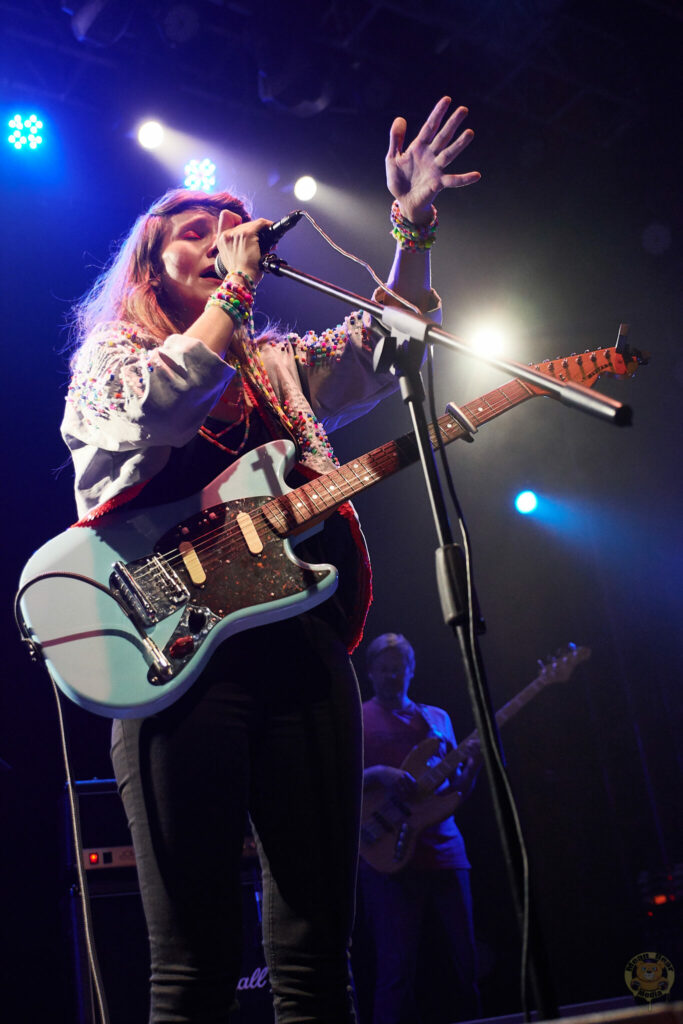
(200,174)
(25,131)
(526,502)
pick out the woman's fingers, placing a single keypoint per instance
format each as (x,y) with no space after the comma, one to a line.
(397,136)
(446,133)
(431,126)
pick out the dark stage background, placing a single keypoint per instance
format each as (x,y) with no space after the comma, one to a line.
(575,226)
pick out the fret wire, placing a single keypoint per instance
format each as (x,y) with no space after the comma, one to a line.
(348,488)
(351,466)
(309,490)
(326,482)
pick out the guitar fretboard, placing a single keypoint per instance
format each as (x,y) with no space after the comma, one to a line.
(317,498)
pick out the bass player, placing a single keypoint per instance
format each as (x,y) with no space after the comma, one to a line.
(433,887)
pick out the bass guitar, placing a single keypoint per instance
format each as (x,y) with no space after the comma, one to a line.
(125,612)
(393,817)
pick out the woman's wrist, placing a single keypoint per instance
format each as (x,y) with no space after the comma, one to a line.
(247,279)
(409,235)
(235,296)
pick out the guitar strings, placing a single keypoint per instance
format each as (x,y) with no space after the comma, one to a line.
(481,410)
(225,533)
(373,467)
(496,400)
(381,458)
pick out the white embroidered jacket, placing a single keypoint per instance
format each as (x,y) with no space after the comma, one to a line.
(132,398)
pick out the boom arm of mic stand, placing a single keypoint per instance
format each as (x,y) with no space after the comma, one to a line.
(421,328)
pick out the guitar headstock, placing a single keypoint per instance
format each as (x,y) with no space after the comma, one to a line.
(586,368)
(559,668)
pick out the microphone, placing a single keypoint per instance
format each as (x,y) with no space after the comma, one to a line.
(267,237)
(270,236)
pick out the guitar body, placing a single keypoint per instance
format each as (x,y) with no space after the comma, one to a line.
(90,646)
(391,824)
(126,611)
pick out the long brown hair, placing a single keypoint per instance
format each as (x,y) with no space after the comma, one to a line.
(128,288)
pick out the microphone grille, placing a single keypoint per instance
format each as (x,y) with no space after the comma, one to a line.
(220,268)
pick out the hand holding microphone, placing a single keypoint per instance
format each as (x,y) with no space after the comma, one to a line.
(268,237)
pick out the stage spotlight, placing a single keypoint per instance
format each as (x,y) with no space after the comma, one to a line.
(526,502)
(25,132)
(200,174)
(150,134)
(488,339)
(305,188)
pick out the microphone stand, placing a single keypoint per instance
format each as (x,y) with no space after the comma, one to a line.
(401,349)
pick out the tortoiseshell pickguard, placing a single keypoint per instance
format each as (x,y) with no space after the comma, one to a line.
(236,578)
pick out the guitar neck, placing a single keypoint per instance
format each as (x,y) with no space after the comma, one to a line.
(430,780)
(318,498)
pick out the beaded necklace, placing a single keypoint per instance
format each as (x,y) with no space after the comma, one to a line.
(247,360)
(213,437)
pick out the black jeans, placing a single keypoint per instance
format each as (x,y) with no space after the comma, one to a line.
(272,729)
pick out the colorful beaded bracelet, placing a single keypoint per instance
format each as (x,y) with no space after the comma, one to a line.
(414,237)
(234,300)
(251,285)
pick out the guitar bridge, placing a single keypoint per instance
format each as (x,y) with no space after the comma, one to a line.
(148,588)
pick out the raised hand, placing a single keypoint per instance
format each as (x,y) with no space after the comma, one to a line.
(417,174)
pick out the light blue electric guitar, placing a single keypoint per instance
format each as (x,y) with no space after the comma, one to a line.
(125,612)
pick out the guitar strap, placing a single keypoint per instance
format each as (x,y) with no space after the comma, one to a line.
(425,713)
(111,505)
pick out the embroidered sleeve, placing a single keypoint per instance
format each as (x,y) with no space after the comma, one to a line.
(329,347)
(128,390)
(334,371)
